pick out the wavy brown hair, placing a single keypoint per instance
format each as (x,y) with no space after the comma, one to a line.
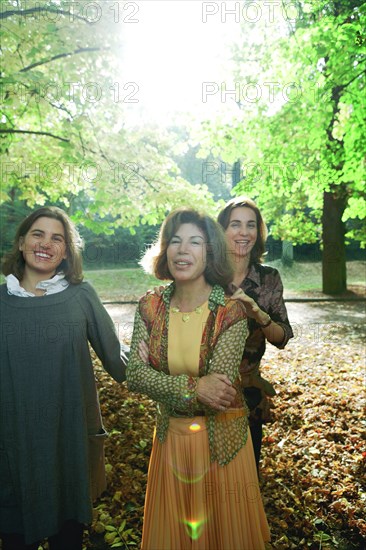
(258,250)
(218,270)
(13,262)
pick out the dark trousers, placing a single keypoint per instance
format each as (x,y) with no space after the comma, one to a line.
(253,397)
(69,538)
(256,431)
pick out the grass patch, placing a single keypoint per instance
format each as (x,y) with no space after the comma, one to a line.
(120,284)
(307,276)
(130,283)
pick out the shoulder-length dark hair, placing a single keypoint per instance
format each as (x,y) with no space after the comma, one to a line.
(258,250)
(13,262)
(218,270)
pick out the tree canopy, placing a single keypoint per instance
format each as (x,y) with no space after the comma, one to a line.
(65,135)
(298,137)
(300,130)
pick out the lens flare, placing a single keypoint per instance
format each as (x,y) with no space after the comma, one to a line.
(195,427)
(194,528)
(189,477)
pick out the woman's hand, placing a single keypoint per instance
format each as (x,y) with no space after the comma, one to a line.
(144,352)
(251,307)
(272,330)
(216,391)
(159,290)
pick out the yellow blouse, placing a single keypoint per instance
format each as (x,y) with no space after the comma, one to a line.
(184,339)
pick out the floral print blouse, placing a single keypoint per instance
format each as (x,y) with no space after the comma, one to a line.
(221,351)
(263,284)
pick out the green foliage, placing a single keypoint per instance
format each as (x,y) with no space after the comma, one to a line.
(121,249)
(305,134)
(198,170)
(115,537)
(63,120)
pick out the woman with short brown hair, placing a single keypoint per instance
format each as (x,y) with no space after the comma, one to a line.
(202,490)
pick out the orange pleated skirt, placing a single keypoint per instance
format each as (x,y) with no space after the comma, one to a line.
(193,504)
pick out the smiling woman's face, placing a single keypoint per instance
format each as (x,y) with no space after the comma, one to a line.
(242,231)
(186,253)
(44,247)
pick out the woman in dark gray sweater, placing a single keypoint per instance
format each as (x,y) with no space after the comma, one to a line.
(51,431)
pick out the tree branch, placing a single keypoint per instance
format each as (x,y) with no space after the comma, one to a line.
(39,9)
(352,79)
(11,131)
(343,87)
(69,54)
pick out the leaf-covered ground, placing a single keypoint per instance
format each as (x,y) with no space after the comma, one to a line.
(314,454)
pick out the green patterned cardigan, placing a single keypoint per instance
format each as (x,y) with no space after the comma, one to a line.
(221,351)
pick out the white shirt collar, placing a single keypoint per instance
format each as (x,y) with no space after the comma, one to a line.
(58,283)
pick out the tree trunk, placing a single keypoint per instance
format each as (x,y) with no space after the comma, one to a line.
(236,177)
(287,257)
(334,251)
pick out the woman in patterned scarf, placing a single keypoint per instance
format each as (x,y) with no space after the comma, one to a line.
(202,484)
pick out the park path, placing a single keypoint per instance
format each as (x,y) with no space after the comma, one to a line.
(305,317)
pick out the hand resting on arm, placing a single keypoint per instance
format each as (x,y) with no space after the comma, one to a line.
(213,390)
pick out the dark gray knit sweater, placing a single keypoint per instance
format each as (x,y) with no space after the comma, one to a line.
(51,433)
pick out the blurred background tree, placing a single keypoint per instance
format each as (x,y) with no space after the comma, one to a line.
(296,142)
(64,134)
(300,134)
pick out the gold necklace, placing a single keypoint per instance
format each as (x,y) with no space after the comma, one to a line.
(185,314)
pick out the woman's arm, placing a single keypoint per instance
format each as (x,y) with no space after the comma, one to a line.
(177,391)
(102,335)
(278,313)
(274,322)
(182,392)
(272,331)
(228,352)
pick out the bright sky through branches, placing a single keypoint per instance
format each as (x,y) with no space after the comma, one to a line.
(170,53)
